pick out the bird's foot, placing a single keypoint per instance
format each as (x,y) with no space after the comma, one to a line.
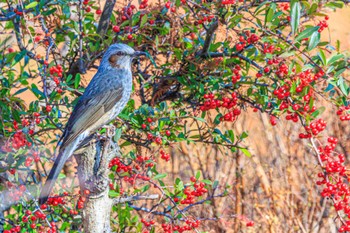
(110,130)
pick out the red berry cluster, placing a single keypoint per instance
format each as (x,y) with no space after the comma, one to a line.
(282,92)
(190,225)
(251,39)
(143,4)
(205,19)
(81,202)
(56,70)
(127,12)
(157,139)
(164,155)
(283,6)
(19,140)
(132,179)
(30,159)
(228,2)
(323,24)
(33,218)
(56,200)
(314,128)
(198,191)
(333,176)
(236,74)
(268,48)
(212,103)
(343,113)
(250,224)
(305,78)
(273,120)
(148,223)
(119,166)
(282,70)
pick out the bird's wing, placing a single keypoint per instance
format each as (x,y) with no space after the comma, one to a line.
(89,110)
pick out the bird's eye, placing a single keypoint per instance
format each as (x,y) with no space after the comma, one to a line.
(120,53)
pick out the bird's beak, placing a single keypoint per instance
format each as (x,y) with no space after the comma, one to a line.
(139,53)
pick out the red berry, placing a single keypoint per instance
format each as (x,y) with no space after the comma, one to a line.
(239,47)
(98,11)
(37,39)
(130,36)
(250,224)
(116,29)
(167,133)
(167,5)
(48,108)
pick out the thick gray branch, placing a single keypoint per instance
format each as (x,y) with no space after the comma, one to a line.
(105,17)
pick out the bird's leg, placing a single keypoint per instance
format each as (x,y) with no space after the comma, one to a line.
(110,130)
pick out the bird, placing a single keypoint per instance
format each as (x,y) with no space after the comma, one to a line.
(103,99)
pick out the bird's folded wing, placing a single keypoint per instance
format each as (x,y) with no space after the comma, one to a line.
(89,111)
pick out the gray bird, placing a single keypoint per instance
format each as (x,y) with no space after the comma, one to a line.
(104,98)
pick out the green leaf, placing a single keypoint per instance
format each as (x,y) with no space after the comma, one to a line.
(312,9)
(322,57)
(160,176)
(20,91)
(215,184)
(36,91)
(77,81)
(306,33)
(31,5)
(207,182)
(243,135)
(334,59)
(246,152)
(295,17)
(343,86)
(198,174)
(318,111)
(335,4)
(270,13)
(314,39)
(143,20)
(113,193)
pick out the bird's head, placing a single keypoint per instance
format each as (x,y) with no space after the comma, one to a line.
(119,56)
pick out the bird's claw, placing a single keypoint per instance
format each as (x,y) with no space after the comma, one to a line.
(110,130)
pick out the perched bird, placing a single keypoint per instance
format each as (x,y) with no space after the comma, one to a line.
(104,98)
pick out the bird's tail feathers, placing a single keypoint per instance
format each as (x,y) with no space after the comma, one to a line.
(62,157)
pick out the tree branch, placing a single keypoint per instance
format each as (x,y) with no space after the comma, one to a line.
(105,17)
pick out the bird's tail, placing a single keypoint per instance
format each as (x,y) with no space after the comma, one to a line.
(61,159)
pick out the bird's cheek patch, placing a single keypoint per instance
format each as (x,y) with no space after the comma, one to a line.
(113,61)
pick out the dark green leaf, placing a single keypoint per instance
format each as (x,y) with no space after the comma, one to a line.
(295,16)
(307,33)
(314,39)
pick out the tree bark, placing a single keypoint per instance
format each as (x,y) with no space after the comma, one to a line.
(93,171)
